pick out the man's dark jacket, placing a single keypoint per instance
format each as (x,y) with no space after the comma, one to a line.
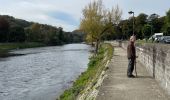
(131,51)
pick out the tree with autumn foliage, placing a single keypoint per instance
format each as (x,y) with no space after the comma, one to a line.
(97,21)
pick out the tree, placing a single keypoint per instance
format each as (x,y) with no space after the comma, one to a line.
(17,34)
(113,19)
(115,15)
(156,23)
(126,28)
(4,29)
(61,36)
(97,20)
(152,17)
(53,39)
(35,32)
(146,30)
(93,21)
(166,27)
(141,20)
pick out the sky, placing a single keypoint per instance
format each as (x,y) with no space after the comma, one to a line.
(67,13)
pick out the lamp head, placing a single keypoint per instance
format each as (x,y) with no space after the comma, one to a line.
(130,12)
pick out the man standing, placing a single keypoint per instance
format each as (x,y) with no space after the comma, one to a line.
(131,54)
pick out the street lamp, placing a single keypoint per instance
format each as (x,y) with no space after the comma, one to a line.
(131,12)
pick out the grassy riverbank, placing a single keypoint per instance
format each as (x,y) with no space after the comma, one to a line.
(5,47)
(95,68)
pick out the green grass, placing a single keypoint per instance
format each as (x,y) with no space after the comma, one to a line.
(5,47)
(10,46)
(144,41)
(95,67)
(141,42)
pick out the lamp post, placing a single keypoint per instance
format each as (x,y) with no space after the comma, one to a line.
(131,12)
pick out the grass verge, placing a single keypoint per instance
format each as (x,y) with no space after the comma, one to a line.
(144,41)
(95,67)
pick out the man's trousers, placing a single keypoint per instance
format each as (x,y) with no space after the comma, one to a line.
(130,66)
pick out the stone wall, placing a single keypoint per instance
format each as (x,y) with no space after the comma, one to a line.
(156,58)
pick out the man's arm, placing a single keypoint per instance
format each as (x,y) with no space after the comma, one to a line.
(128,52)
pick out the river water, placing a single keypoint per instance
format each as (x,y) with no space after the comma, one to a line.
(41,73)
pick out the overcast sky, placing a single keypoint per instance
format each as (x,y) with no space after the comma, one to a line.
(67,13)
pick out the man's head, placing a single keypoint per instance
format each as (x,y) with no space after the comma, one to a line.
(132,38)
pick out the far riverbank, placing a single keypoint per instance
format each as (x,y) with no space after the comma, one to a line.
(6,47)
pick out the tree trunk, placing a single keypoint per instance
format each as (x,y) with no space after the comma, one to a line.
(92,44)
(97,46)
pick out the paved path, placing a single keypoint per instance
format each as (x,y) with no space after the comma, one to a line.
(117,86)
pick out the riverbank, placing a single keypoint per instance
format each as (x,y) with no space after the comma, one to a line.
(6,47)
(88,81)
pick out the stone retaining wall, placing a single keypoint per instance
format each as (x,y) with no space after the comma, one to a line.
(156,58)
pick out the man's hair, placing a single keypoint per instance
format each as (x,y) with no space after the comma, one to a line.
(132,37)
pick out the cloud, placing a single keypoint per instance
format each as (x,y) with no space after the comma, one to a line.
(43,11)
(65,17)
(67,13)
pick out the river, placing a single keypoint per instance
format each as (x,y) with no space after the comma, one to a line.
(41,73)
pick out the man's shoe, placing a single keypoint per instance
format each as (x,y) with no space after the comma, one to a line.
(132,76)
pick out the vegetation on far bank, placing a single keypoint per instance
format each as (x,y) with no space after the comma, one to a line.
(10,46)
(5,47)
(18,30)
(95,67)
(18,34)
